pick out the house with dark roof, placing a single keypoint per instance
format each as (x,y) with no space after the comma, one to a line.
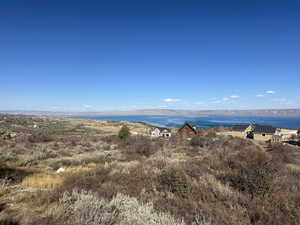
(260,132)
(240,128)
(253,131)
(161,132)
(187,130)
(261,129)
(263,133)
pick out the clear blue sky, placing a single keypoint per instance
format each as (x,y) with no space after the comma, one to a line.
(87,55)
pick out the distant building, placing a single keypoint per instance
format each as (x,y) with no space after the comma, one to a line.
(285,135)
(254,131)
(262,133)
(187,130)
(161,132)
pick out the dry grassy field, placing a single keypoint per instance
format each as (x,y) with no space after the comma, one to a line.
(57,171)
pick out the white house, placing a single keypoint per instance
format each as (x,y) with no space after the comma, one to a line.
(160,132)
(285,134)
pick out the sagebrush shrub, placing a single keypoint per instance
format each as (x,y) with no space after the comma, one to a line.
(221,191)
(39,153)
(111,139)
(201,220)
(199,141)
(141,146)
(174,180)
(253,172)
(211,133)
(122,209)
(283,153)
(8,156)
(39,137)
(89,209)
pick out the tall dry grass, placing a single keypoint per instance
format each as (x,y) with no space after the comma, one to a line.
(43,181)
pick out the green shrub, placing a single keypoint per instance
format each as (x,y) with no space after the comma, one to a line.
(174,180)
(124,133)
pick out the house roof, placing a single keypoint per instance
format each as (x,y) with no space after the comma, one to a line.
(256,128)
(240,127)
(263,129)
(189,125)
(162,129)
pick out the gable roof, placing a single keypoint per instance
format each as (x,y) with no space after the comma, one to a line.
(189,126)
(255,128)
(263,129)
(162,129)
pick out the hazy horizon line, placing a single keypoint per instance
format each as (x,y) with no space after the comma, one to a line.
(143,109)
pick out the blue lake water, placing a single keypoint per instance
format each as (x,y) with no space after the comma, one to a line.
(205,121)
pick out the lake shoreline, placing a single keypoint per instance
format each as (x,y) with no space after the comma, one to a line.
(208,121)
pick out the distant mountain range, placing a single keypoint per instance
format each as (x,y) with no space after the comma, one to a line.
(263,112)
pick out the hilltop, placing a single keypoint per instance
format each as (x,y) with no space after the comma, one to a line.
(61,171)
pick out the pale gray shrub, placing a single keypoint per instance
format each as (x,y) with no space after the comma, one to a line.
(201,220)
(98,156)
(133,213)
(39,153)
(42,153)
(222,191)
(8,156)
(89,209)
(120,210)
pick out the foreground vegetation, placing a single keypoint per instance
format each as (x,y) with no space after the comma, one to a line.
(62,171)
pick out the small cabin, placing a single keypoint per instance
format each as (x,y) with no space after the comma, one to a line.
(187,130)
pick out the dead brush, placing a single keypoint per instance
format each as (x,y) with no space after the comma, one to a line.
(43,181)
(141,146)
(252,172)
(222,192)
(3,189)
(40,137)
